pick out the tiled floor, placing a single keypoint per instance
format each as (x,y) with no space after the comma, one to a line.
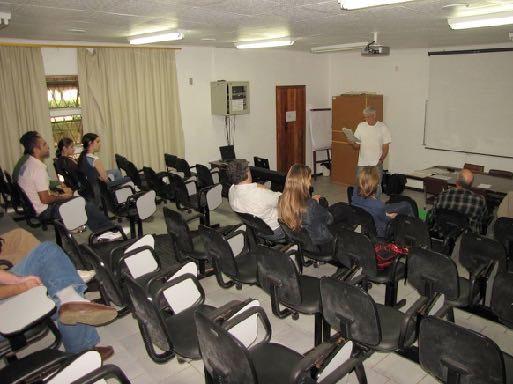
(381,368)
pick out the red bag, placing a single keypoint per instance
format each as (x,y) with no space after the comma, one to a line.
(386,253)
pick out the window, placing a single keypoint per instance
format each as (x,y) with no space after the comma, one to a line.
(64,104)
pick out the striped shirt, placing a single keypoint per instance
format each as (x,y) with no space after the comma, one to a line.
(465,202)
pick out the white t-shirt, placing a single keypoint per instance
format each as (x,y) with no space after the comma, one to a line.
(33,179)
(259,202)
(372,138)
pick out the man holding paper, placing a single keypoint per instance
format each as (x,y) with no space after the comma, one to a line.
(373,140)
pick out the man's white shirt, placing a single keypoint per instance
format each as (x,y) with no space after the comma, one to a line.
(257,201)
(33,179)
(372,138)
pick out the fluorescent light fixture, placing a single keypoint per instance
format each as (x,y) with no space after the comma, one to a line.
(339,47)
(357,4)
(486,20)
(265,44)
(169,36)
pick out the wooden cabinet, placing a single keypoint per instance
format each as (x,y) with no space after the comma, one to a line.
(347,113)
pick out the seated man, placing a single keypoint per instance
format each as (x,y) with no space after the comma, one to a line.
(365,196)
(461,199)
(47,264)
(245,196)
(33,179)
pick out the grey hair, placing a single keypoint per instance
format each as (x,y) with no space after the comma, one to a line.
(238,170)
(369,111)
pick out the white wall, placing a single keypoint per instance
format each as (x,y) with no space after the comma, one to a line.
(403,79)
(264,69)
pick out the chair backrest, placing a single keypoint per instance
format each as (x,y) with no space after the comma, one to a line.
(278,269)
(227,152)
(503,232)
(477,251)
(147,312)
(359,216)
(446,221)
(62,168)
(151,178)
(408,199)
(14,192)
(120,161)
(180,189)
(474,167)
(430,273)
(183,166)
(224,356)
(356,248)
(410,232)
(448,350)
(24,201)
(108,197)
(204,176)
(178,227)
(433,186)
(501,173)
(132,172)
(261,162)
(70,246)
(502,297)
(170,160)
(219,250)
(300,237)
(256,224)
(351,311)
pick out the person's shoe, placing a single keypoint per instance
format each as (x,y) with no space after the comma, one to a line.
(86,312)
(105,352)
(109,236)
(85,275)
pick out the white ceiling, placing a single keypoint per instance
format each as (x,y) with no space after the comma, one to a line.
(311,23)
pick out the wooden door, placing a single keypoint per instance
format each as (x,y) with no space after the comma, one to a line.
(290,127)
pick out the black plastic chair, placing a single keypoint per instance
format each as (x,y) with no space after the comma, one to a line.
(351,311)
(258,231)
(402,198)
(409,232)
(165,308)
(233,357)
(350,217)
(170,161)
(445,226)
(502,297)
(432,273)
(28,213)
(131,208)
(207,178)
(183,166)
(230,255)
(454,355)
(156,182)
(188,196)
(131,171)
(357,248)
(503,232)
(63,169)
(280,278)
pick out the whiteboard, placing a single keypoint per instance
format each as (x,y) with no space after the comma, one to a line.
(470,103)
(320,129)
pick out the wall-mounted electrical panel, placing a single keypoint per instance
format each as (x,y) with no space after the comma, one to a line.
(229,97)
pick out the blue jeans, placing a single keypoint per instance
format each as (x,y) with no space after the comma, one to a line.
(49,262)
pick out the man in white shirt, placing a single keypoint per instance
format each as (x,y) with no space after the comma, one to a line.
(374,143)
(245,196)
(33,179)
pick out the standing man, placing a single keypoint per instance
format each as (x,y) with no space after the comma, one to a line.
(374,144)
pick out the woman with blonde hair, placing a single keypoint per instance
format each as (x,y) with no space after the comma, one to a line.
(364,196)
(298,210)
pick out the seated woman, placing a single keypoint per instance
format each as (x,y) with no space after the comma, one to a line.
(298,210)
(92,166)
(364,196)
(65,164)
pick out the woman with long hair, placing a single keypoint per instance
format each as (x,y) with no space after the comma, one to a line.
(297,209)
(365,196)
(89,161)
(65,164)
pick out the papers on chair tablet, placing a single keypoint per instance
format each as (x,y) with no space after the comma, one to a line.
(484,186)
(441,177)
(350,135)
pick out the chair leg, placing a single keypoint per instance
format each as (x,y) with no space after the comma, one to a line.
(139,228)
(450,315)
(391,293)
(148,345)
(219,278)
(132,228)
(326,330)
(319,327)
(275,305)
(359,371)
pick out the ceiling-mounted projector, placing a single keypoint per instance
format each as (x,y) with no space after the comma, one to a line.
(372,49)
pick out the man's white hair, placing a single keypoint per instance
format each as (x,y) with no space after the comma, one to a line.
(369,111)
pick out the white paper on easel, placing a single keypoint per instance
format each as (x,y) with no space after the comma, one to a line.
(320,129)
